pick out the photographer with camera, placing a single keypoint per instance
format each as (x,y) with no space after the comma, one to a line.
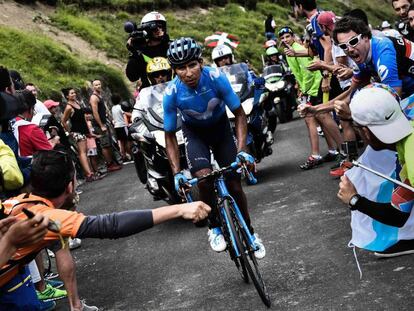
(145,42)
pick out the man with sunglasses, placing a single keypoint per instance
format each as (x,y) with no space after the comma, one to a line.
(53,180)
(154,44)
(201,94)
(377,115)
(159,71)
(388,60)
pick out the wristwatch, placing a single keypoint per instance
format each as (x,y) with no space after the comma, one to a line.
(353,201)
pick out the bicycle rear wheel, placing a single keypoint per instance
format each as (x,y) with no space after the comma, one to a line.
(240,260)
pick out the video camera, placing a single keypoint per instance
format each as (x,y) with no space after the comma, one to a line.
(140,34)
(135,32)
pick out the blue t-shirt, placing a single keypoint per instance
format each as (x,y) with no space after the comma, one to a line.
(383,64)
(201,106)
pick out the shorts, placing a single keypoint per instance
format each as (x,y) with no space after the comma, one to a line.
(14,297)
(218,138)
(78,136)
(105,138)
(92,152)
(121,133)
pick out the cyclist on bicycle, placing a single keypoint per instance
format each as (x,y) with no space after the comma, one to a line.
(201,93)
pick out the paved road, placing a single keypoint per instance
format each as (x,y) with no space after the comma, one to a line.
(305,228)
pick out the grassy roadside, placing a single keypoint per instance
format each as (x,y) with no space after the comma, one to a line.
(105,31)
(42,61)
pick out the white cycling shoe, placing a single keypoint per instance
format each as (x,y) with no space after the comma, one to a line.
(261,251)
(216,239)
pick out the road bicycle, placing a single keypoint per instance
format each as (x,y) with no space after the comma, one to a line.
(240,245)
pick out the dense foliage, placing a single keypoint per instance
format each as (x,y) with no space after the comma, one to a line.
(42,61)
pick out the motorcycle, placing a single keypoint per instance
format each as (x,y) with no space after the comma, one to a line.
(280,91)
(258,141)
(149,151)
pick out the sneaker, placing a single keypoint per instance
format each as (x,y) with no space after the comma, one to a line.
(50,275)
(91,178)
(50,293)
(402,247)
(47,305)
(329,157)
(338,161)
(74,243)
(216,239)
(113,167)
(311,162)
(78,191)
(99,175)
(269,138)
(55,283)
(340,171)
(51,255)
(320,132)
(261,251)
(85,307)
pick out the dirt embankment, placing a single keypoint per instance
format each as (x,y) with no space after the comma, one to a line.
(35,18)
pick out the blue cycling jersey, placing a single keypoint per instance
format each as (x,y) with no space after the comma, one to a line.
(382,65)
(202,106)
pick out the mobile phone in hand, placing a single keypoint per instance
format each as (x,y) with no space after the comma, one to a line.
(51,226)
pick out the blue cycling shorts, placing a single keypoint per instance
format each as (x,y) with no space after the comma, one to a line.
(218,138)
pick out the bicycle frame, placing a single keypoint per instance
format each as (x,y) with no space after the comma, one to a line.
(223,194)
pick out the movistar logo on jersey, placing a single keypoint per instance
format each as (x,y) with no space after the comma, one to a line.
(382,71)
(214,74)
(172,87)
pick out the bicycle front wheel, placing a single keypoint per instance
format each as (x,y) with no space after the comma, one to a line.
(240,260)
(252,267)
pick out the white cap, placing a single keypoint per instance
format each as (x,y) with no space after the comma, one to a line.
(378,109)
(385,24)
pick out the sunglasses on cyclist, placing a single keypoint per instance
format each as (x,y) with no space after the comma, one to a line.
(353,42)
(157,74)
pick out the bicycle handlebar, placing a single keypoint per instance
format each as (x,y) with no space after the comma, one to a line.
(216,173)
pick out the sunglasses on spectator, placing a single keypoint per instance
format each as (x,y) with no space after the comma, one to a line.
(157,74)
(353,42)
(155,25)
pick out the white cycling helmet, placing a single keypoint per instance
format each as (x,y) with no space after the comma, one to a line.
(153,17)
(220,51)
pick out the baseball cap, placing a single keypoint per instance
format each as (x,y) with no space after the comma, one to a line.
(327,18)
(378,109)
(50,103)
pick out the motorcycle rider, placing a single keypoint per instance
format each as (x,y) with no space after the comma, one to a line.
(158,71)
(200,93)
(222,55)
(149,41)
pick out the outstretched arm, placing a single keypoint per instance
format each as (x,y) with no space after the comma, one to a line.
(123,224)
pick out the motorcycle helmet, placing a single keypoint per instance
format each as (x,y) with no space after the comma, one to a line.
(152,20)
(272,51)
(156,66)
(182,51)
(269,43)
(222,51)
(126,106)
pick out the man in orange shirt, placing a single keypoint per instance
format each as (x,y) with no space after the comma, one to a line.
(52,180)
